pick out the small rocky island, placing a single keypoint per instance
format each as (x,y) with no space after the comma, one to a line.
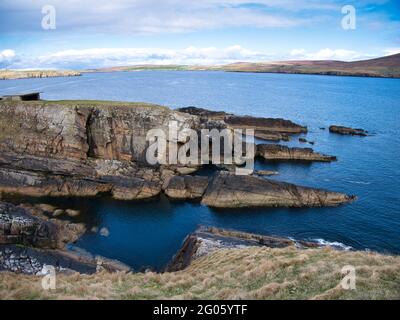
(348,131)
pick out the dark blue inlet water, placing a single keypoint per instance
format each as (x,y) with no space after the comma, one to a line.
(149,233)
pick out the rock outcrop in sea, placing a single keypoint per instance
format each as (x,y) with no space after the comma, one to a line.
(227,190)
(270,129)
(279,152)
(348,131)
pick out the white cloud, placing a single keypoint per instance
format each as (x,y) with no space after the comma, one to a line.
(391,51)
(151,16)
(7,54)
(328,54)
(7,57)
(105,57)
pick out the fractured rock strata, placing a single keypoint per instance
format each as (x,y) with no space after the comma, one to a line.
(88,148)
(27,225)
(232,191)
(279,152)
(34,261)
(186,187)
(271,129)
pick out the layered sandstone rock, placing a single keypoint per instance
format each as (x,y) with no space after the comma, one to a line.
(348,131)
(271,129)
(87,148)
(82,129)
(279,152)
(271,136)
(231,191)
(186,187)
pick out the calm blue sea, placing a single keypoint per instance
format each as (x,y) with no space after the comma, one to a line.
(147,234)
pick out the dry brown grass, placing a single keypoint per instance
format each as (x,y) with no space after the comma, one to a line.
(251,273)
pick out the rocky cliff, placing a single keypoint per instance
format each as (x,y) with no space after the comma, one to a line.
(86,148)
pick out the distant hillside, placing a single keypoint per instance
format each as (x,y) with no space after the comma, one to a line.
(387,67)
(381,67)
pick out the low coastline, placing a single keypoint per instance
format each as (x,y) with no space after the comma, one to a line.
(19,74)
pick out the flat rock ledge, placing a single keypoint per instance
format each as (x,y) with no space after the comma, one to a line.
(348,131)
(206,240)
(270,129)
(232,191)
(279,152)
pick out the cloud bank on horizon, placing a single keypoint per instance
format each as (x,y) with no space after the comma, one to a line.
(91,34)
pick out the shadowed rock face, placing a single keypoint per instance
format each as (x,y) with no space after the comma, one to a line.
(348,131)
(28,226)
(186,187)
(278,152)
(231,191)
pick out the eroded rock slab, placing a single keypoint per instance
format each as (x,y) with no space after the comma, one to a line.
(231,191)
(265,128)
(279,152)
(348,131)
(271,136)
(34,261)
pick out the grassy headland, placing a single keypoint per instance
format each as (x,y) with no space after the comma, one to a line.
(250,273)
(17,74)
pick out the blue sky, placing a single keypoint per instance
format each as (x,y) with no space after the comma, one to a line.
(99,33)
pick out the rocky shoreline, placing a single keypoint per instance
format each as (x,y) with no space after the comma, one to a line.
(348,131)
(31,241)
(207,240)
(89,148)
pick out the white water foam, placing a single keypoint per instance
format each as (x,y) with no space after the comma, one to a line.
(333,244)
